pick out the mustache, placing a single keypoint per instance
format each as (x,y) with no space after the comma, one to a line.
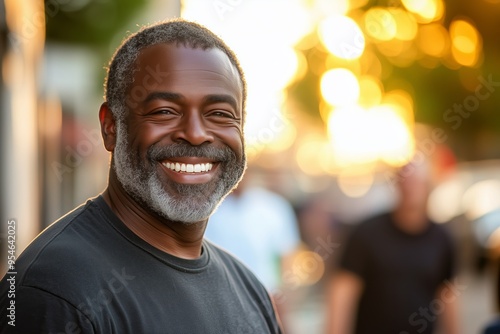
(159,152)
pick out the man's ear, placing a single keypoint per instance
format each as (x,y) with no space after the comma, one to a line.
(108,127)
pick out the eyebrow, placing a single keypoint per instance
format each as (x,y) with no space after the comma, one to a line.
(168,96)
(209,99)
(221,98)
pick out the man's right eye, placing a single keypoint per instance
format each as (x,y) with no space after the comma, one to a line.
(163,112)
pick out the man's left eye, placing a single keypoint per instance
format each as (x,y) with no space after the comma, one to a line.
(163,112)
(222,114)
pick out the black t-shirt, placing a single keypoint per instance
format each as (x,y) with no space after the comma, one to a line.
(401,275)
(88,273)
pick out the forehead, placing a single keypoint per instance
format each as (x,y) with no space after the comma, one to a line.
(168,62)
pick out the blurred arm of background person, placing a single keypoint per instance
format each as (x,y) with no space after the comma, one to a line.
(342,299)
(450,316)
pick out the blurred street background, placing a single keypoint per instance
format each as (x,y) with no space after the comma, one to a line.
(341,93)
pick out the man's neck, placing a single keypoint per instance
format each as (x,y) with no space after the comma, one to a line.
(410,220)
(176,238)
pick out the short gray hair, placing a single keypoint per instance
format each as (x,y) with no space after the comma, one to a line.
(120,72)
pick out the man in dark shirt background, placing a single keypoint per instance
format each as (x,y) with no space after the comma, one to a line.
(396,274)
(133,259)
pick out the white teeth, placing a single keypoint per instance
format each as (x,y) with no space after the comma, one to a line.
(188,168)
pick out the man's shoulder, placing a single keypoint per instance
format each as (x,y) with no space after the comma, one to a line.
(63,252)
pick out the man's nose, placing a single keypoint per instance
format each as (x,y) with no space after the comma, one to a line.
(193,130)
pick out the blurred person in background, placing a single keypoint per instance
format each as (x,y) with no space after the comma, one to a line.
(134,259)
(396,273)
(260,228)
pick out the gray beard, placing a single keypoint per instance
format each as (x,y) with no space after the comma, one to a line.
(187,203)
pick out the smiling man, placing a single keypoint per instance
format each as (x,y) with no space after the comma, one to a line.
(133,259)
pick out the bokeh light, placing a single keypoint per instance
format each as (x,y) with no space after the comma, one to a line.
(342,37)
(339,87)
(392,137)
(346,52)
(466,42)
(406,25)
(433,40)
(380,24)
(426,10)
(350,131)
(360,136)
(371,91)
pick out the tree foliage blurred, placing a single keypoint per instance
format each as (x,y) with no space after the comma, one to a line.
(88,22)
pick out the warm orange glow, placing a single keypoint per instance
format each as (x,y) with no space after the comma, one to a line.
(380,24)
(370,64)
(392,137)
(433,40)
(402,103)
(342,37)
(370,91)
(339,87)
(350,132)
(406,26)
(357,3)
(355,47)
(308,267)
(360,136)
(353,65)
(394,47)
(426,10)
(301,68)
(466,42)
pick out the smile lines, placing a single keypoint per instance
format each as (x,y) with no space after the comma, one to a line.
(188,168)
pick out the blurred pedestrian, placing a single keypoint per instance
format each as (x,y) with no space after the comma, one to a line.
(396,273)
(259,227)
